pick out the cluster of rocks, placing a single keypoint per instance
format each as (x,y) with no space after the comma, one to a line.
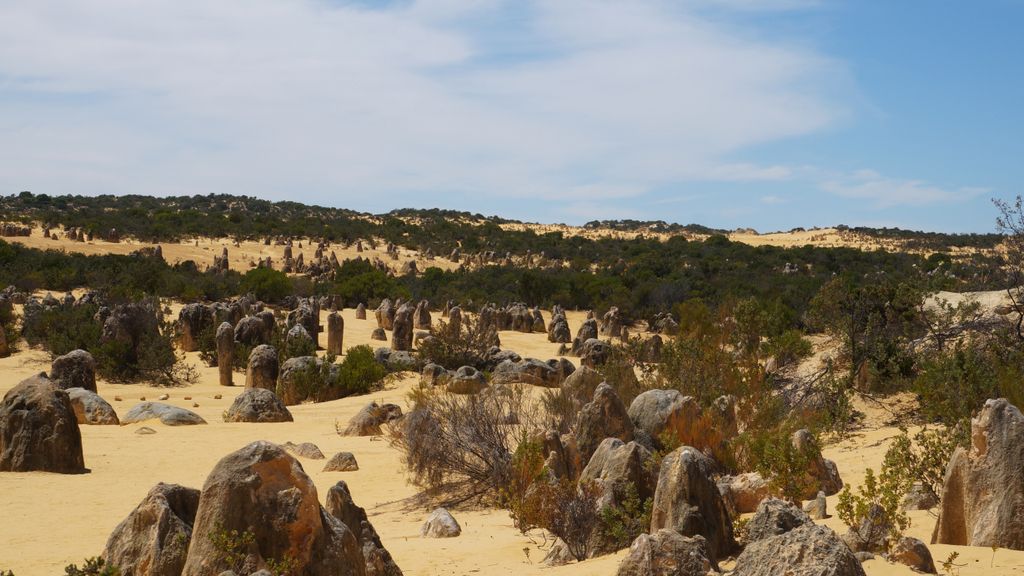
(169,533)
(8,229)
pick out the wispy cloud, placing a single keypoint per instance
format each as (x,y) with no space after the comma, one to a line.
(380,106)
(886,192)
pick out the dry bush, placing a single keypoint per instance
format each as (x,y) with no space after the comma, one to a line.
(452,346)
(462,446)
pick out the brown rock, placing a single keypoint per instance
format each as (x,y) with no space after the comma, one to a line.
(153,540)
(39,430)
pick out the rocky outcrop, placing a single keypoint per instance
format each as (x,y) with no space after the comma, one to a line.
(743,492)
(983,496)
(808,550)
(39,430)
(666,553)
(773,518)
(153,540)
(687,500)
(257,405)
(90,408)
(76,369)
(262,490)
(466,380)
(616,465)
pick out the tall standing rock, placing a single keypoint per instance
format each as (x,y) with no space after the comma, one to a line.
(192,320)
(225,353)
(361,311)
(401,334)
(5,349)
(335,333)
(421,317)
(341,506)
(153,540)
(39,429)
(263,368)
(455,319)
(263,490)
(983,494)
(687,500)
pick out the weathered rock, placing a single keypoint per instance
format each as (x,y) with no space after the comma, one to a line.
(872,535)
(253,330)
(666,553)
(167,414)
(983,496)
(594,352)
(192,321)
(379,334)
(434,375)
(808,550)
(39,430)
(822,473)
(131,324)
(817,509)
(304,449)
(440,524)
(743,492)
(604,417)
(912,552)
(581,385)
(919,498)
(616,465)
(668,412)
(467,380)
(401,333)
(398,360)
(385,314)
(559,332)
(421,316)
(298,338)
(263,490)
(369,420)
(76,369)
(587,331)
(341,506)
(5,348)
(341,462)
(775,517)
(263,368)
(527,371)
(687,500)
(563,460)
(90,408)
(225,353)
(361,311)
(455,319)
(257,405)
(335,333)
(153,540)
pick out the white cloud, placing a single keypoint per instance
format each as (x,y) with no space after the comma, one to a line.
(886,192)
(346,104)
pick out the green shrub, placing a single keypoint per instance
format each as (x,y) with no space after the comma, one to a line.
(772,454)
(92,567)
(875,514)
(268,285)
(621,524)
(788,347)
(454,348)
(924,457)
(359,372)
(952,385)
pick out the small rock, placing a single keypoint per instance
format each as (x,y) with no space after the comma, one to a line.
(305,450)
(864,556)
(913,553)
(164,397)
(117,398)
(188,397)
(195,404)
(440,524)
(145,430)
(817,509)
(217,397)
(342,462)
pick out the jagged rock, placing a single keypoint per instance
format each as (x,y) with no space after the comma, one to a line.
(167,414)
(687,500)
(823,473)
(257,405)
(39,430)
(808,550)
(563,460)
(587,331)
(153,540)
(262,489)
(912,552)
(527,371)
(666,553)
(421,316)
(341,462)
(581,385)
(440,524)
(90,408)
(604,417)
(304,449)
(775,517)
(983,496)
(262,370)
(559,332)
(615,465)
(398,360)
(341,506)
(369,420)
(594,352)
(76,369)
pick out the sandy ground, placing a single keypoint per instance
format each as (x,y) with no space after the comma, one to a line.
(50,520)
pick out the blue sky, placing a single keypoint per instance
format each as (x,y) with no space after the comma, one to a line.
(769,114)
